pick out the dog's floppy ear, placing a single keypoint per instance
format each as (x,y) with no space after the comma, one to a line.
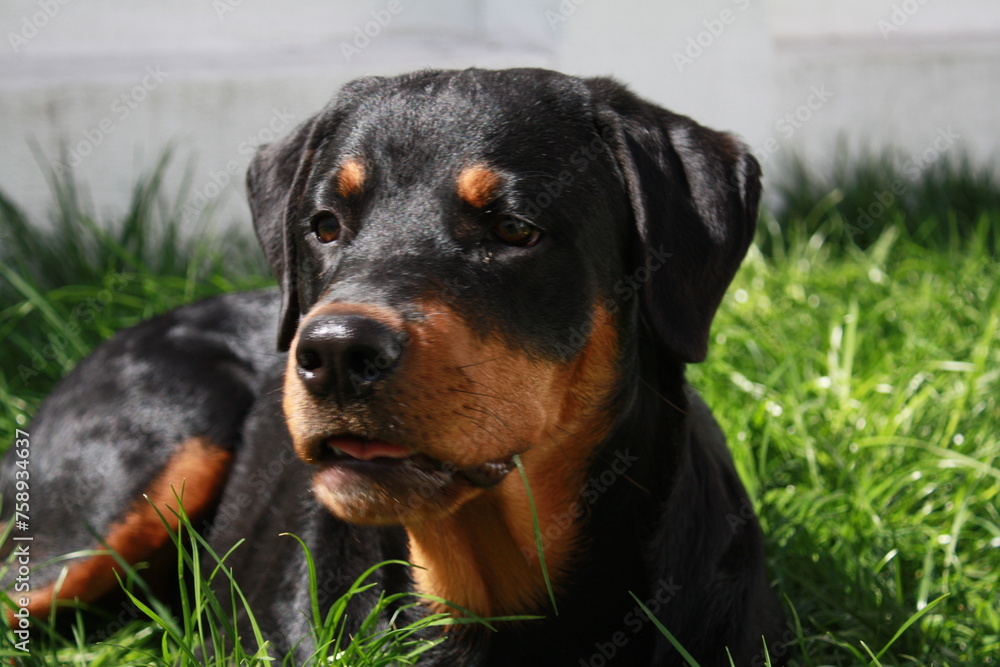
(276,177)
(276,181)
(694,194)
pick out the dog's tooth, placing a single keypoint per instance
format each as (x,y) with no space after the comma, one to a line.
(488,474)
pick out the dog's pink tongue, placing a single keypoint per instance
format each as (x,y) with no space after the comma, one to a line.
(366,450)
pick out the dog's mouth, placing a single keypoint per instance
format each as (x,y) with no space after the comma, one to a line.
(347,453)
(377,481)
(348,448)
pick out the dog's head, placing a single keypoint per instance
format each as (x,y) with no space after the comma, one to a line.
(462,255)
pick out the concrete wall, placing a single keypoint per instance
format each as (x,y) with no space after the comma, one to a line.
(102,88)
(900,72)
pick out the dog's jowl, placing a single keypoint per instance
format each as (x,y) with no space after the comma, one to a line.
(490,285)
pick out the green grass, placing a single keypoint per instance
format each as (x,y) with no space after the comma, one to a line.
(857,376)
(71,281)
(201,631)
(860,389)
(937,202)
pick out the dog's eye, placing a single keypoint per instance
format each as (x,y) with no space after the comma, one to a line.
(516,232)
(326,227)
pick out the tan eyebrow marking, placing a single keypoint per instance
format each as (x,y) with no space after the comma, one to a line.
(351,178)
(477,185)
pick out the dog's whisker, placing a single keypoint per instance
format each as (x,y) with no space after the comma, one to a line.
(485,361)
(475,422)
(476,393)
(565,430)
(489,413)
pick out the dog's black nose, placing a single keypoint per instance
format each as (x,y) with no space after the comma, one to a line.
(345,356)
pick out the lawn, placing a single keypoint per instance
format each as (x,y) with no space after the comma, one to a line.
(855,369)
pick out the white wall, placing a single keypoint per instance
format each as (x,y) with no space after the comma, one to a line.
(121,80)
(900,72)
(116,82)
(714,63)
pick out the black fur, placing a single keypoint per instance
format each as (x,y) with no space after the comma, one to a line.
(644,212)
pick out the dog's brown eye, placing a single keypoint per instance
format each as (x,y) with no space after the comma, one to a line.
(513,231)
(326,228)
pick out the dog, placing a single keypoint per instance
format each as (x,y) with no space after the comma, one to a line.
(490,285)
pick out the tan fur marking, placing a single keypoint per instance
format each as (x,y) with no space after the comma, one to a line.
(196,471)
(483,557)
(351,178)
(477,185)
(464,400)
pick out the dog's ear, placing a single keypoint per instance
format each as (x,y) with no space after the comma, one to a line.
(276,181)
(276,177)
(694,194)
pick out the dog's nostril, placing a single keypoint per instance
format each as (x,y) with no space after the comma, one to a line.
(308,360)
(363,363)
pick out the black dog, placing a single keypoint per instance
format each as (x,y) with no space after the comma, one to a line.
(475,266)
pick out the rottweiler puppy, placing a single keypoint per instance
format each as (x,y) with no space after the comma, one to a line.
(490,285)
